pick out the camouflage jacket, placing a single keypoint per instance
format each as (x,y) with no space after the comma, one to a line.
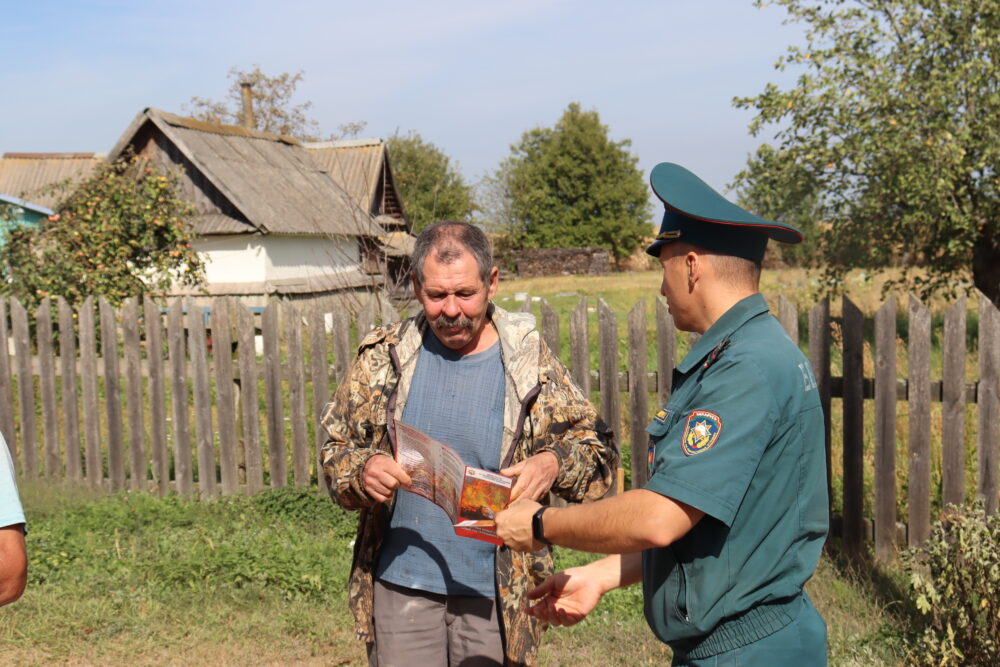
(543,411)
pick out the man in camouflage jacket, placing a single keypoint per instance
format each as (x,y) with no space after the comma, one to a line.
(544,411)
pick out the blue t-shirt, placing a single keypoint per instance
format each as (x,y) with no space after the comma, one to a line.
(457,399)
(11,512)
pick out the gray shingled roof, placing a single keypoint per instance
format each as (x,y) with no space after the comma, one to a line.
(269,179)
(24,175)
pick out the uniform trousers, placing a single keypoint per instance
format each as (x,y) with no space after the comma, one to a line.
(414,627)
(801,643)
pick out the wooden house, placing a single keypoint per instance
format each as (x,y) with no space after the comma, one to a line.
(272,219)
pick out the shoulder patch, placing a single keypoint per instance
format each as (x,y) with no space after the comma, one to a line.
(662,416)
(700,432)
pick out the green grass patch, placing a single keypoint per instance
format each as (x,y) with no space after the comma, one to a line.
(136,579)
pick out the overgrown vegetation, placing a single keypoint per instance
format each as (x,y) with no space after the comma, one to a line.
(123,231)
(956,579)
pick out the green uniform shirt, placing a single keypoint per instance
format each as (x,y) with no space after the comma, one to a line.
(740,439)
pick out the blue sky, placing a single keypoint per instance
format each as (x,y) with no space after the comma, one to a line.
(469,76)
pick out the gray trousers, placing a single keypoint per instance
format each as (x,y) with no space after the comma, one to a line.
(417,628)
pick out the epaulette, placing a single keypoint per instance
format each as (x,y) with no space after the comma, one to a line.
(716,352)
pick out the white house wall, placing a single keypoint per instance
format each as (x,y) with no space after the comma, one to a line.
(294,256)
(258,259)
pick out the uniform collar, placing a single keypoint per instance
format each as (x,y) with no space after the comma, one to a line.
(731,320)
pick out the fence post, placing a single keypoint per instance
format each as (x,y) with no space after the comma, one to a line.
(989,402)
(918,345)
(819,355)
(7,423)
(666,350)
(789,318)
(342,357)
(885,430)
(202,403)
(67,367)
(25,389)
(112,394)
(610,406)
(638,399)
(153,323)
(272,396)
(250,411)
(953,405)
(579,346)
(550,328)
(88,378)
(47,386)
(319,376)
(225,399)
(297,393)
(133,392)
(183,473)
(853,421)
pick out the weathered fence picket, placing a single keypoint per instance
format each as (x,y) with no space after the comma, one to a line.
(208,374)
(989,403)
(47,386)
(153,325)
(89,389)
(112,394)
(272,395)
(918,347)
(67,369)
(133,393)
(853,424)
(953,407)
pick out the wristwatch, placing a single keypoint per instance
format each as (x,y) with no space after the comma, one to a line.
(537,529)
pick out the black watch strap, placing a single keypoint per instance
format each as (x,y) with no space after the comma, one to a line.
(537,528)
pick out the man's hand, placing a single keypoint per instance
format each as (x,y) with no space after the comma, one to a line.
(565,598)
(382,476)
(514,525)
(13,563)
(535,475)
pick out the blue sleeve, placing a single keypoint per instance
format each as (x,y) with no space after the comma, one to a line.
(11,512)
(706,455)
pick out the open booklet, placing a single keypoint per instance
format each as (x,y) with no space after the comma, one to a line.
(470,496)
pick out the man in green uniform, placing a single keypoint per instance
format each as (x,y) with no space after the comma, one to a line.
(731,523)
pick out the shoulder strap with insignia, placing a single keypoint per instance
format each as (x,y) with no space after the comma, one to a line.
(716,352)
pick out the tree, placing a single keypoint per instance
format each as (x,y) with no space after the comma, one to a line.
(122,232)
(570,186)
(273,110)
(431,188)
(889,140)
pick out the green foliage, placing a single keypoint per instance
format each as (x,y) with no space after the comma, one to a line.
(956,579)
(273,110)
(432,189)
(887,144)
(122,232)
(280,541)
(571,186)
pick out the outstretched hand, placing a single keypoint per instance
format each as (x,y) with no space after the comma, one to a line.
(565,598)
(382,476)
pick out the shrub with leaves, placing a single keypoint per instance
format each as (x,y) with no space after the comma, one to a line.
(955,576)
(122,232)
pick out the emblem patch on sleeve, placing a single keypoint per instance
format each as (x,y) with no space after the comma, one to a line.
(663,415)
(700,432)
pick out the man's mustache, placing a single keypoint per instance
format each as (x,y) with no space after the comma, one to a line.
(445,322)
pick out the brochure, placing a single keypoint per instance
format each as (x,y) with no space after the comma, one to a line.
(470,497)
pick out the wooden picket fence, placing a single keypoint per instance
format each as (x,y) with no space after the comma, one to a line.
(159,406)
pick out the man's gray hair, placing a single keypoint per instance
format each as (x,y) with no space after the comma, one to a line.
(448,240)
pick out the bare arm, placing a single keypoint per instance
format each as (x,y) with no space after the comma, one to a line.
(13,563)
(567,597)
(632,521)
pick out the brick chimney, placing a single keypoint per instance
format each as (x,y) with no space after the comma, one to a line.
(248,120)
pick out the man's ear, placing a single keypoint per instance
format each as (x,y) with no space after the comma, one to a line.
(494,283)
